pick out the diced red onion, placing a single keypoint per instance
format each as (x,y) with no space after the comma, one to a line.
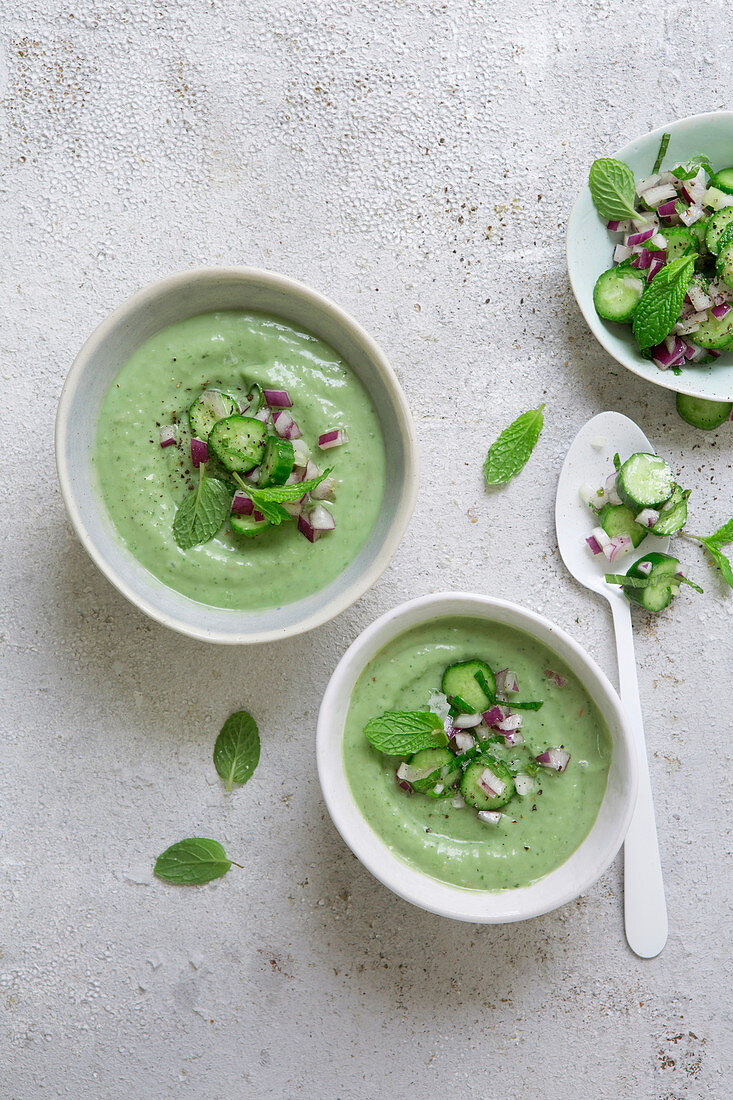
(555,759)
(242,504)
(620,544)
(466,721)
(602,537)
(523,784)
(617,226)
(665,358)
(264,415)
(660,242)
(285,426)
(490,784)
(493,715)
(458,802)
(513,737)
(315,521)
(692,214)
(560,681)
(667,209)
(278,399)
(587,493)
(640,237)
(720,311)
(301,452)
(642,259)
(647,183)
(168,435)
(325,490)
(506,681)
(693,353)
(620,253)
(511,722)
(611,490)
(644,567)
(594,545)
(404,784)
(199,451)
(333,438)
(294,507)
(653,196)
(655,265)
(489,817)
(647,517)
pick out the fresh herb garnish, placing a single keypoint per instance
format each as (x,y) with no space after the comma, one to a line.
(237,748)
(628,582)
(613,189)
(616,465)
(712,544)
(509,453)
(534,704)
(269,500)
(192,862)
(688,169)
(458,705)
(661,302)
(485,686)
(664,143)
(201,513)
(404,732)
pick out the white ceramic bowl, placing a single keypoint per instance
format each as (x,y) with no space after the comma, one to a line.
(568,881)
(109,347)
(589,248)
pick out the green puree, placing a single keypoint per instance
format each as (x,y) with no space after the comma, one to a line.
(143,483)
(452,844)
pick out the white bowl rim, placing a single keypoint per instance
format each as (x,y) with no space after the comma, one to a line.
(635,364)
(447,900)
(284,283)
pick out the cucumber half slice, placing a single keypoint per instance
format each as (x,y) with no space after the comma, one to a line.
(444,775)
(278,461)
(702,413)
(238,442)
(617,519)
(663,582)
(644,481)
(714,333)
(472,682)
(723,180)
(248,525)
(208,408)
(718,223)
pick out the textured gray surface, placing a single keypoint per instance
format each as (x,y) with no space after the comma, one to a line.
(417,163)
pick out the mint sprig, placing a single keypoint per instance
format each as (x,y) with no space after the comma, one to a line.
(237,748)
(661,302)
(269,500)
(688,169)
(509,453)
(201,513)
(404,732)
(192,862)
(613,189)
(712,544)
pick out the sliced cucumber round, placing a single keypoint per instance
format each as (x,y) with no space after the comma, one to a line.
(248,525)
(723,180)
(663,583)
(702,413)
(208,408)
(472,682)
(717,224)
(724,262)
(278,461)
(443,777)
(484,776)
(617,293)
(644,481)
(714,333)
(238,442)
(680,242)
(617,519)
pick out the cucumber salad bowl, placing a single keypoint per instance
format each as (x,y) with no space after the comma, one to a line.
(670,221)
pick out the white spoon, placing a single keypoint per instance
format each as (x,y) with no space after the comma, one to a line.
(645,908)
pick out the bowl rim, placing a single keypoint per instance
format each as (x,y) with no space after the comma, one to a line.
(390,869)
(379,362)
(666,380)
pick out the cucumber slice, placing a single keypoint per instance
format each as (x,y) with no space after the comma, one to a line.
(617,292)
(673,519)
(278,462)
(723,180)
(446,772)
(663,584)
(238,442)
(208,408)
(644,481)
(680,242)
(248,525)
(714,333)
(717,224)
(473,791)
(702,413)
(699,232)
(471,681)
(724,263)
(617,519)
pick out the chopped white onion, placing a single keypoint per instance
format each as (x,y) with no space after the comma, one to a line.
(524,785)
(464,741)
(647,517)
(490,817)
(466,721)
(621,252)
(490,784)
(588,494)
(598,442)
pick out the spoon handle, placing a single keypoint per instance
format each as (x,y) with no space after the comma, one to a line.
(645,907)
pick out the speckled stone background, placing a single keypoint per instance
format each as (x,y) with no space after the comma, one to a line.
(417,162)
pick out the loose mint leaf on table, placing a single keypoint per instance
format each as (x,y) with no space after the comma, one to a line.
(201,513)
(712,544)
(661,302)
(664,143)
(403,732)
(510,452)
(269,500)
(192,862)
(613,189)
(237,748)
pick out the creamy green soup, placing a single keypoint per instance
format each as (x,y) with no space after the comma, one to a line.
(536,833)
(142,483)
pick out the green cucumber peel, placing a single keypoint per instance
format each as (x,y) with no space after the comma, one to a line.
(613,189)
(201,514)
(663,145)
(192,862)
(628,582)
(510,452)
(660,304)
(237,748)
(404,732)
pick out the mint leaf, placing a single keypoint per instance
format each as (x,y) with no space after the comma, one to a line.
(535,704)
(191,862)
(661,302)
(723,535)
(712,544)
(613,189)
(509,453)
(201,514)
(237,748)
(688,169)
(403,732)
(661,154)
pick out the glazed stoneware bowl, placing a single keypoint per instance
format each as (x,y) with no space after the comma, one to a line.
(590,245)
(568,881)
(111,345)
